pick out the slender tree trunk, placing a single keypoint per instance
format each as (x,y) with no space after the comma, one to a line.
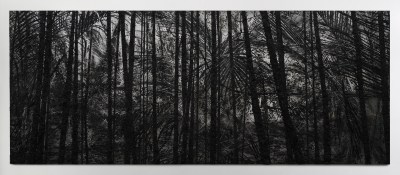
(75,91)
(148,144)
(67,92)
(315,120)
(385,86)
(197,85)
(292,143)
(46,86)
(142,54)
(115,82)
(86,98)
(306,83)
(213,127)
(176,92)
(219,86)
(283,76)
(81,103)
(35,148)
(360,88)
(206,144)
(128,123)
(83,55)
(233,95)
(325,97)
(262,140)
(130,79)
(47,133)
(145,87)
(109,92)
(191,92)
(243,127)
(184,91)
(156,156)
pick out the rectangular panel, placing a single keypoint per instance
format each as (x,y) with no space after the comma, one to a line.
(199,87)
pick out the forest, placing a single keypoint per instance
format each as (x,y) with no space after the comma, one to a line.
(199,87)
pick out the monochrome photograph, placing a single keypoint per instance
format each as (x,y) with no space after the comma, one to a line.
(199,87)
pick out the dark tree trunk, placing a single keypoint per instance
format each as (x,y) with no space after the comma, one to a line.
(145,86)
(114,84)
(306,84)
(156,156)
(140,116)
(325,97)
(360,88)
(83,55)
(142,54)
(258,120)
(243,120)
(315,120)
(114,62)
(148,105)
(75,113)
(219,88)
(264,101)
(114,100)
(46,84)
(213,127)
(233,95)
(184,91)
(67,92)
(35,146)
(191,93)
(109,93)
(206,145)
(86,99)
(292,143)
(197,86)
(176,92)
(128,125)
(385,86)
(130,80)
(282,79)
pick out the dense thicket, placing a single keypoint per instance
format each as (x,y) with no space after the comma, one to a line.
(134,87)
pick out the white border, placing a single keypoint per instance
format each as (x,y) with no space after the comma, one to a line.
(7,5)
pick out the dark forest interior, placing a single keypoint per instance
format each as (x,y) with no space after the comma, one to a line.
(199,87)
